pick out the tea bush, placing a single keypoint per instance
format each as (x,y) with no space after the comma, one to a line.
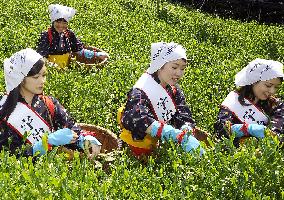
(216,48)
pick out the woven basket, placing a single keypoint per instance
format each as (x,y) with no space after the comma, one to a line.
(201,135)
(89,63)
(108,139)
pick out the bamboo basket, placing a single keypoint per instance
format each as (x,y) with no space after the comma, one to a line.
(108,139)
(88,63)
(201,135)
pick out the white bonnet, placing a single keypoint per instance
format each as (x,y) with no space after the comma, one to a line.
(18,66)
(162,52)
(58,11)
(259,70)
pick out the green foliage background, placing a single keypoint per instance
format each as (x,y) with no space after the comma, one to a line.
(217,48)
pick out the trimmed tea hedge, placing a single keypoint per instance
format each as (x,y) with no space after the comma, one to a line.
(217,48)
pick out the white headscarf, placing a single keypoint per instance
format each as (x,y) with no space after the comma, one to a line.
(162,52)
(259,70)
(18,66)
(58,11)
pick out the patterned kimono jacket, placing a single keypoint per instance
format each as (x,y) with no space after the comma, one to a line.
(11,140)
(51,43)
(276,121)
(138,113)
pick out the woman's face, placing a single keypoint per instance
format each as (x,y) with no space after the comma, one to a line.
(171,72)
(264,89)
(34,84)
(60,26)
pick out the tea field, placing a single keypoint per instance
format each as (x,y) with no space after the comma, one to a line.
(217,48)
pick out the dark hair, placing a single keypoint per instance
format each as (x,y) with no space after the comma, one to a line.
(61,20)
(185,60)
(36,68)
(58,20)
(14,95)
(245,92)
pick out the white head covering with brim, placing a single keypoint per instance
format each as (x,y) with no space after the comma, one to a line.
(259,70)
(18,66)
(58,11)
(162,52)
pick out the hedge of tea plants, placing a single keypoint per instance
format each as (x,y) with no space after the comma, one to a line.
(217,48)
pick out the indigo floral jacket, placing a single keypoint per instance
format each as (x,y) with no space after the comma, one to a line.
(139,115)
(12,141)
(49,43)
(276,123)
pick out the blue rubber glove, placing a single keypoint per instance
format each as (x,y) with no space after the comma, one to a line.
(255,130)
(190,143)
(60,137)
(168,132)
(87,53)
(92,139)
(38,147)
(236,128)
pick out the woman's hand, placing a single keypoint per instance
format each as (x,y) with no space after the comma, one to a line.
(89,142)
(254,130)
(75,137)
(91,149)
(57,138)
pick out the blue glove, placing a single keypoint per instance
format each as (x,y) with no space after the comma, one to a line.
(253,129)
(87,53)
(190,143)
(236,128)
(256,130)
(38,147)
(168,132)
(92,139)
(60,137)
(100,53)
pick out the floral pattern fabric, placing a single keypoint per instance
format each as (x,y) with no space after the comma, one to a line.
(58,46)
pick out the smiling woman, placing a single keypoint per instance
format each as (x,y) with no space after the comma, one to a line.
(248,110)
(156,107)
(171,72)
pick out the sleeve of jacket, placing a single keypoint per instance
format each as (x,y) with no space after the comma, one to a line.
(43,44)
(76,44)
(224,116)
(62,118)
(137,116)
(183,114)
(277,121)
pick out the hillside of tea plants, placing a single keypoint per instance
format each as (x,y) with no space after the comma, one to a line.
(217,48)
